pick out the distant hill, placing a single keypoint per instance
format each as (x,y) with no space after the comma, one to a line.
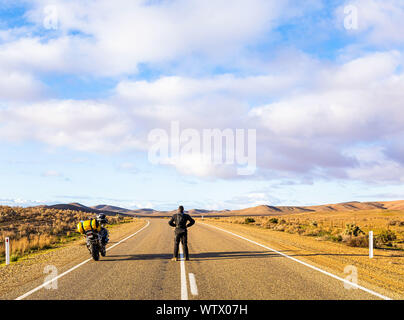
(198,211)
(267,210)
(79,207)
(345,206)
(393,205)
(143,211)
(72,206)
(105,207)
(263,210)
(353,205)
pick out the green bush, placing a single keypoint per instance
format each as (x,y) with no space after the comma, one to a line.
(386,236)
(353,230)
(249,220)
(273,220)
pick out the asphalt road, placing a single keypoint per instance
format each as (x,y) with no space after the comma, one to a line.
(223,267)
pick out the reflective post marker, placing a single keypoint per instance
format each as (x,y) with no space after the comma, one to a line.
(370,244)
(7,251)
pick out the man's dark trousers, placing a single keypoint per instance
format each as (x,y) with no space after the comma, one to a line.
(182,236)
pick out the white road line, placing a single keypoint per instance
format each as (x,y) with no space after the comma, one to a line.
(184,288)
(75,267)
(304,263)
(192,284)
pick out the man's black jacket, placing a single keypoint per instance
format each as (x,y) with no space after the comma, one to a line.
(180,220)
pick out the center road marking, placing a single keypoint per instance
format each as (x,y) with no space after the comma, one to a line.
(75,267)
(192,284)
(304,263)
(184,288)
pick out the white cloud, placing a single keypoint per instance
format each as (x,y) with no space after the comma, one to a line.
(79,125)
(310,131)
(111,38)
(376,167)
(174,88)
(19,86)
(346,103)
(359,102)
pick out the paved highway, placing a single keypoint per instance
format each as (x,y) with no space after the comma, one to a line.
(222,266)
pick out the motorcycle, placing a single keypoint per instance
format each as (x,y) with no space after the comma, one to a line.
(95,245)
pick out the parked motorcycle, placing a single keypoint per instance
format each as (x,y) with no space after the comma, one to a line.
(96,235)
(95,245)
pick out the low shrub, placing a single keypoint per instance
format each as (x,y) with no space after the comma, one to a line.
(356,241)
(279,228)
(249,220)
(393,223)
(273,220)
(386,236)
(353,230)
(312,232)
(335,238)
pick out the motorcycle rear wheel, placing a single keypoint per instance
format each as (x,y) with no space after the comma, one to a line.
(103,251)
(95,252)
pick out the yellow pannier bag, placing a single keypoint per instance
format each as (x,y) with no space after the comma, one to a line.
(84,226)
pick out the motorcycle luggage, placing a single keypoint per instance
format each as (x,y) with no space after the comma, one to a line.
(88,225)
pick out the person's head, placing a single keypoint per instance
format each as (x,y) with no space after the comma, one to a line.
(181,209)
(102,218)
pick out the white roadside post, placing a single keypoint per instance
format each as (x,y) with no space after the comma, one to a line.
(370,244)
(7,251)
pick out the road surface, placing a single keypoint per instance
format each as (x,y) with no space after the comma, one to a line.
(222,266)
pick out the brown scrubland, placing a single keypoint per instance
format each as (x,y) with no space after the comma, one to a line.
(38,228)
(347,227)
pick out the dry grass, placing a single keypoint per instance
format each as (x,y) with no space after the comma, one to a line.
(33,229)
(387,225)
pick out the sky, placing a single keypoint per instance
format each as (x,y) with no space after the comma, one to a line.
(83,83)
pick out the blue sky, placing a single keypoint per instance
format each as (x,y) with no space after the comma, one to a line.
(83,83)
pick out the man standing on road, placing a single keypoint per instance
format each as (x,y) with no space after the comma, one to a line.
(180,222)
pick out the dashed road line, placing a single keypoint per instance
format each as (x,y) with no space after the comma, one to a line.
(184,288)
(192,284)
